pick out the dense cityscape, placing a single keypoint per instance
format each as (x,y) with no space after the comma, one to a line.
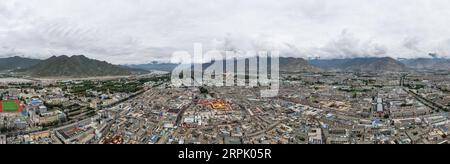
(312,108)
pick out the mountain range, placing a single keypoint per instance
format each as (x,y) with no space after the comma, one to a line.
(16,62)
(286,65)
(427,63)
(296,65)
(74,66)
(384,64)
(81,66)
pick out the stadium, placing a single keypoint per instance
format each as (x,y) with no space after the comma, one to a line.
(10,106)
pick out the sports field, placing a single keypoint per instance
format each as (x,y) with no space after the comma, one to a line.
(9,106)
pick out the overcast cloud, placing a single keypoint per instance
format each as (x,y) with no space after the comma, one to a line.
(140,31)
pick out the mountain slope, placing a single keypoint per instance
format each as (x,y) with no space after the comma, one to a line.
(286,65)
(385,64)
(75,66)
(296,65)
(16,62)
(428,63)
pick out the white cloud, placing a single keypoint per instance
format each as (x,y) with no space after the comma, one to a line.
(138,31)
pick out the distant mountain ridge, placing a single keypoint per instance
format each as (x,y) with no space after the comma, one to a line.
(81,66)
(428,63)
(382,64)
(286,65)
(75,66)
(370,64)
(16,62)
(297,65)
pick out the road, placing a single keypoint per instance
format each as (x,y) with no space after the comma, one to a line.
(426,102)
(181,113)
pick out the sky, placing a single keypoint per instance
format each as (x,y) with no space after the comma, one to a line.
(141,31)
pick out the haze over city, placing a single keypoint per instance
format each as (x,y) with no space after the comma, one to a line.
(140,31)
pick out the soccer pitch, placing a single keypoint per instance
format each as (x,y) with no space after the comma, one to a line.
(9,106)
